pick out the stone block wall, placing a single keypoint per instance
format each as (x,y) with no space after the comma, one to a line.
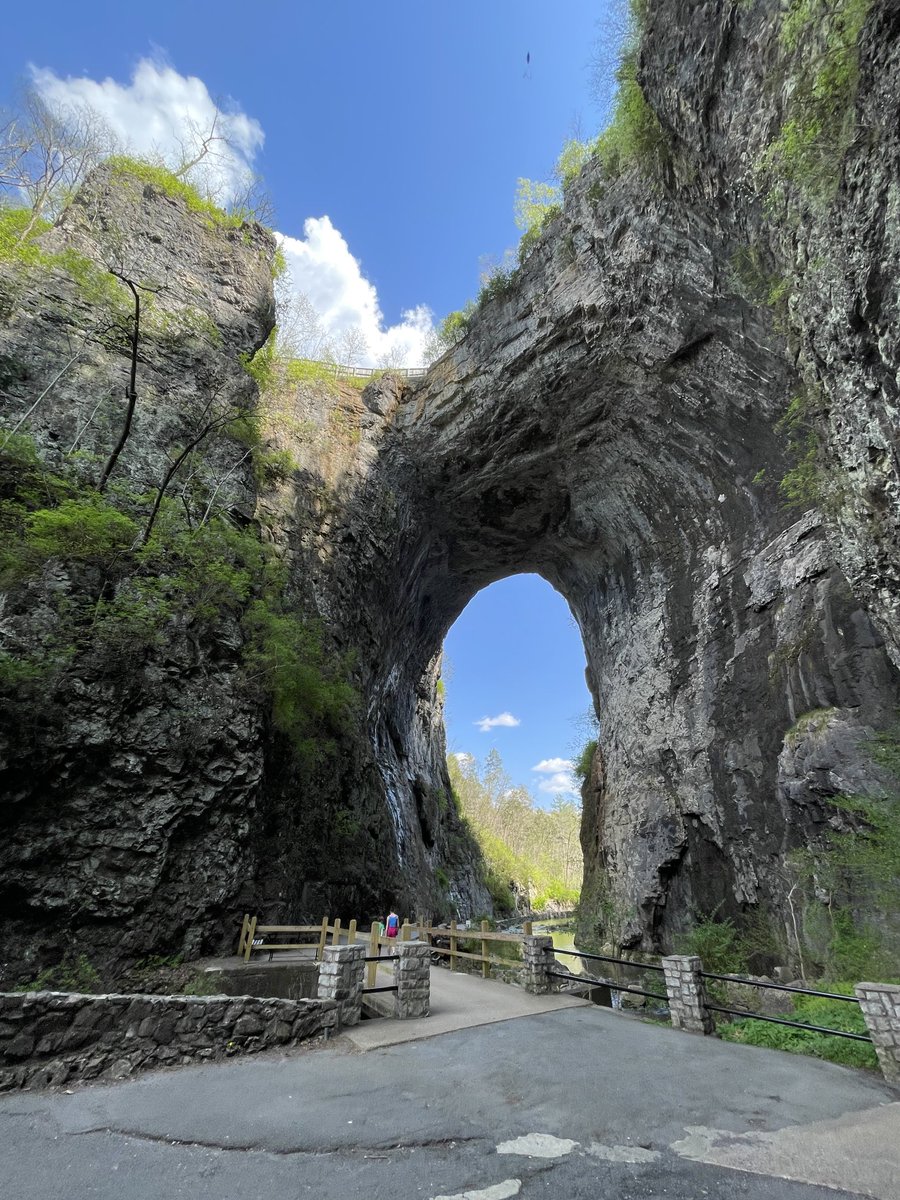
(537,957)
(687,994)
(412,975)
(880,1004)
(341,980)
(49,1038)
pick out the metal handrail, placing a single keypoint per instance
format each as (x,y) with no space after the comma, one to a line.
(626,962)
(613,987)
(382,958)
(778,987)
(743,1012)
(368,991)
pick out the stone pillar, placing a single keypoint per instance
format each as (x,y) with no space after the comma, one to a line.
(341,979)
(880,1003)
(412,975)
(687,994)
(537,957)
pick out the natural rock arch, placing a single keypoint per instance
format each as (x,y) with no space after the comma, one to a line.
(614,449)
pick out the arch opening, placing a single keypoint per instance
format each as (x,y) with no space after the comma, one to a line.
(519,718)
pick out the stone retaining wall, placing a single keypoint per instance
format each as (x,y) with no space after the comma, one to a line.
(50,1038)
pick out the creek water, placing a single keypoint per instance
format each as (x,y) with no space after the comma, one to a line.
(563,933)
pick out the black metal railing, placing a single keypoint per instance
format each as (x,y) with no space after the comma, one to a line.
(625,962)
(610,983)
(748,1013)
(381,958)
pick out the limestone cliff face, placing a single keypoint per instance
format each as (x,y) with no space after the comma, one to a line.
(604,423)
(127,797)
(609,422)
(147,799)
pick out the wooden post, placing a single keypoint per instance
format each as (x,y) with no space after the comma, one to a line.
(374,951)
(245,925)
(250,935)
(351,933)
(453,944)
(404,931)
(320,949)
(485,965)
(336,932)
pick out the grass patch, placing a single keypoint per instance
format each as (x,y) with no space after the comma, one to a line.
(832,1014)
(820,121)
(122,167)
(634,136)
(74,974)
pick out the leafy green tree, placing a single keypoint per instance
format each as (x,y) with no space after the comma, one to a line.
(535,850)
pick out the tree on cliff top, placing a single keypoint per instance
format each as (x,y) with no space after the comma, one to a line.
(47,150)
(48,147)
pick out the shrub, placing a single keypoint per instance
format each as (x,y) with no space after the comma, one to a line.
(19,248)
(498,284)
(555,893)
(803,484)
(634,137)
(273,466)
(15,247)
(311,698)
(86,529)
(260,365)
(819,124)
(574,155)
(717,943)
(534,200)
(585,760)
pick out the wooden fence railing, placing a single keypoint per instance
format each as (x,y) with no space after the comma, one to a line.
(254,937)
(455,935)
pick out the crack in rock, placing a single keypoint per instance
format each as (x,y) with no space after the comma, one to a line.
(446,1143)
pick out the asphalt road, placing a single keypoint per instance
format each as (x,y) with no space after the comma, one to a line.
(579,1103)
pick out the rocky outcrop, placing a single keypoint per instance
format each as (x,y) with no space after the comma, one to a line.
(147,799)
(609,422)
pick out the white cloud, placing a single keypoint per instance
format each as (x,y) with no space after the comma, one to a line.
(551,765)
(504,720)
(322,267)
(558,777)
(156,115)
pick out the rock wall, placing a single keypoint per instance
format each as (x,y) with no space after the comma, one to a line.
(51,1038)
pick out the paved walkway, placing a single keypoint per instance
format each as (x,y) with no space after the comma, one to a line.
(578,1103)
(458,1001)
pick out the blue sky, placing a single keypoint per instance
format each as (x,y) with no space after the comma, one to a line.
(406,123)
(515,651)
(391,137)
